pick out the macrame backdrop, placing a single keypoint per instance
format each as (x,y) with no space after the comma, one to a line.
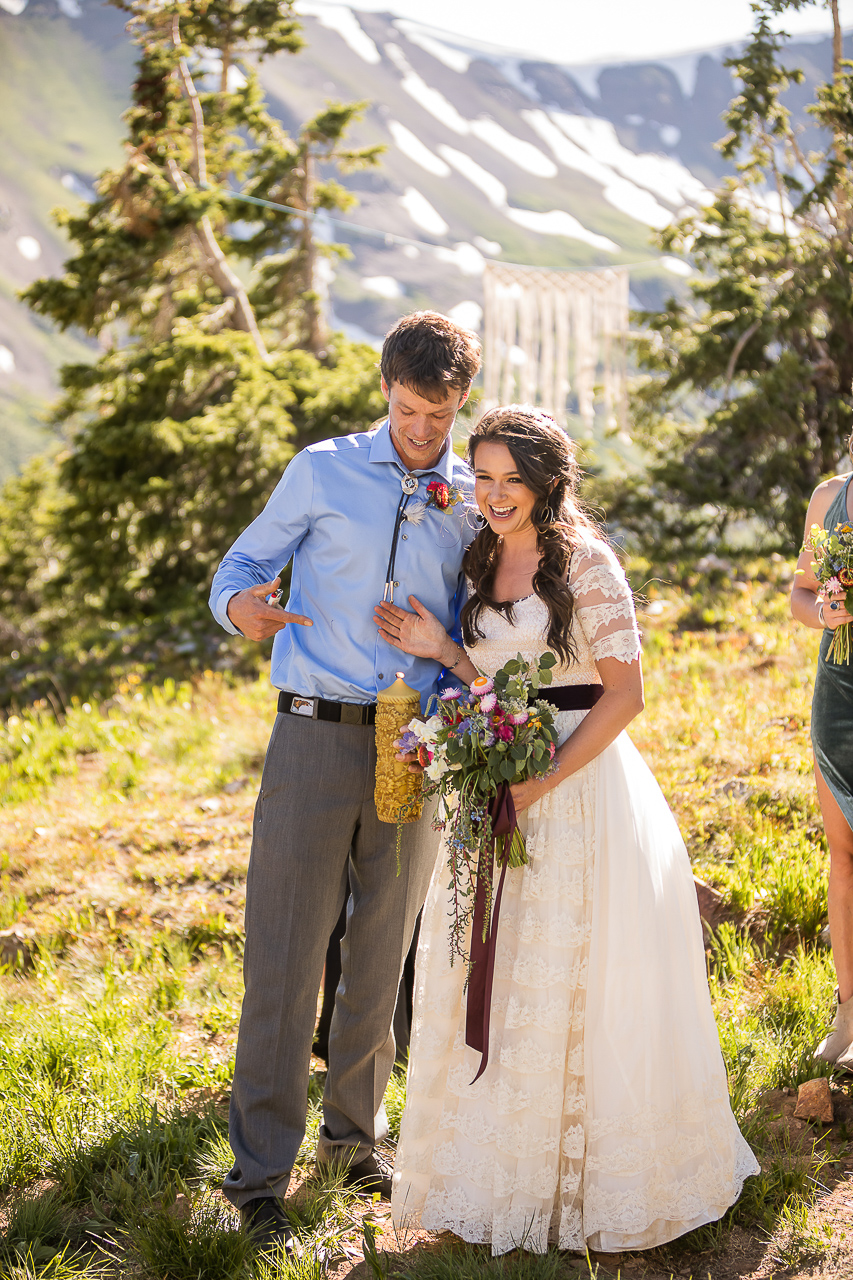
(552,337)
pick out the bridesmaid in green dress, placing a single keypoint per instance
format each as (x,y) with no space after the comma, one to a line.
(832,738)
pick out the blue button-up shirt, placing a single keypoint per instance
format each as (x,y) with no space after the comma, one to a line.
(333,511)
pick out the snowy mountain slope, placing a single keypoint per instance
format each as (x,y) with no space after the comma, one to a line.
(488,155)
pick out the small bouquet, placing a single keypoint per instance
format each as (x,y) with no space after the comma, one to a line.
(833,568)
(473,746)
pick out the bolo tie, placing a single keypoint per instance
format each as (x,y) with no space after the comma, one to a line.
(409,485)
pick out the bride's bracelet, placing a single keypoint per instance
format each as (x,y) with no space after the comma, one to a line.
(821,619)
(460,655)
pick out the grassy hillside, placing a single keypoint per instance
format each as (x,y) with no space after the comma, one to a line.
(124,839)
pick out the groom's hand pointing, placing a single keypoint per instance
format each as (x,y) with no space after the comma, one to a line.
(257,620)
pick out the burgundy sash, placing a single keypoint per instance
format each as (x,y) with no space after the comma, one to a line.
(484,933)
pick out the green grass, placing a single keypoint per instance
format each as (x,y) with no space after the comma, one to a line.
(124,837)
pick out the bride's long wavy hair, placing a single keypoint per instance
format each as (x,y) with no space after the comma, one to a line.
(544,457)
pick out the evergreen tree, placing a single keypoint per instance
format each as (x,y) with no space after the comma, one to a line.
(211,374)
(749,400)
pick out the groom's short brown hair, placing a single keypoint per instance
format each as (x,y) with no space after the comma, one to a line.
(430,354)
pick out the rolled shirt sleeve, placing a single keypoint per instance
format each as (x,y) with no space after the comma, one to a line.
(264,548)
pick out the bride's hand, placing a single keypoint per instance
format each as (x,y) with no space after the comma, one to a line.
(524,794)
(419,633)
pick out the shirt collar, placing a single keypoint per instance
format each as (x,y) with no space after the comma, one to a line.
(382,450)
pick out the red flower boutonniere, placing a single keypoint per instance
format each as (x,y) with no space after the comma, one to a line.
(443,496)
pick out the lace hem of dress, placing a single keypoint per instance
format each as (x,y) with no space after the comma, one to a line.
(667,1206)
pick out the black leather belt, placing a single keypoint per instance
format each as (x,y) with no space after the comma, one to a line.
(321,709)
(572,697)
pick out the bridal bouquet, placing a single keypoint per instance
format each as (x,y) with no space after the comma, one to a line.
(833,568)
(473,746)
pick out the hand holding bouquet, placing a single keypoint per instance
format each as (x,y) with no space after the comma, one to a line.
(833,568)
(473,747)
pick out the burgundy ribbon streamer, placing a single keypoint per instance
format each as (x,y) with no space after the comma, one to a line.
(482,972)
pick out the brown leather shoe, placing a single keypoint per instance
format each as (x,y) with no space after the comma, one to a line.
(370,1175)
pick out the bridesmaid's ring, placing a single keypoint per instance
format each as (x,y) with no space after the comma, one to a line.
(833,605)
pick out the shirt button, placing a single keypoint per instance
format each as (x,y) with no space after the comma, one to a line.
(381,675)
(396,584)
(405,537)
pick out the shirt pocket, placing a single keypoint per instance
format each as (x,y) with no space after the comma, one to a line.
(445,527)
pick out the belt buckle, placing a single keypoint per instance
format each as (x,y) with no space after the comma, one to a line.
(351,713)
(304,707)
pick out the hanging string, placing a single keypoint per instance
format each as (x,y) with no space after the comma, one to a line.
(391,237)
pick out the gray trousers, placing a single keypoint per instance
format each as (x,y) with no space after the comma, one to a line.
(315,825)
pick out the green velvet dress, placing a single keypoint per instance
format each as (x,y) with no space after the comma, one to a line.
(832,705)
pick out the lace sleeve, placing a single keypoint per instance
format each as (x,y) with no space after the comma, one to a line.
(604,604)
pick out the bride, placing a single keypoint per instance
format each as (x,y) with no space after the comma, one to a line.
(602,1119)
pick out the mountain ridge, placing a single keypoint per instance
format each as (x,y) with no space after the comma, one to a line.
(490,154)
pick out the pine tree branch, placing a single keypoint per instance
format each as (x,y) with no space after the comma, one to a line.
(215,260)
(733,358)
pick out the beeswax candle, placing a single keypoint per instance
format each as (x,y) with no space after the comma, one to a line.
(398,792)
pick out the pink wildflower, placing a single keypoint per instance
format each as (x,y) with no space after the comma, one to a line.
(518,717)
(483,684)
(450,695)
(488,703)
(833,584)
(504,733)
(551,750)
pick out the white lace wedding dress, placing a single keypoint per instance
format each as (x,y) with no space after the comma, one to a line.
(603,1117)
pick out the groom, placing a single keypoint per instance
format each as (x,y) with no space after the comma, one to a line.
(339,513)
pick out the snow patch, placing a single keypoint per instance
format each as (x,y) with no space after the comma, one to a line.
(556,222)
(28,247)
(411,251)
(384,286)
(465,257)
(427,97)
(455,59)
(77,187)
(670,135)
(411,146)
(676,266)
(356,333)
(685,68)
(7,361)
(337,17)
(637,203)
(14,6)
(70,8)
(524,154)
(619,192)
(490,247)
(586,78)
(467,314)
(492,188)
(667,178)
(422,213)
